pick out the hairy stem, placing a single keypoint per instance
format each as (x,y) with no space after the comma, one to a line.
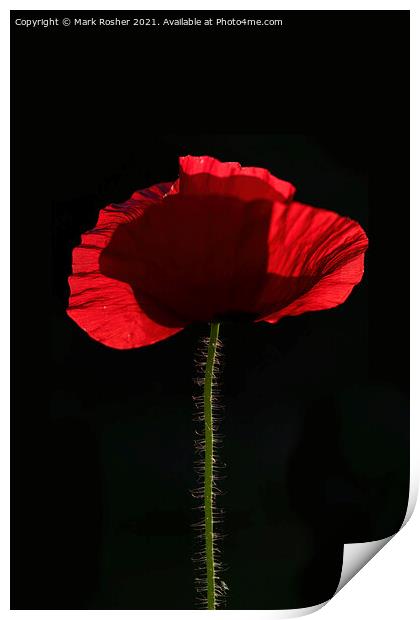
(208,464)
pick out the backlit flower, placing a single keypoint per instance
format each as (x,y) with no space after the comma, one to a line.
(220,242)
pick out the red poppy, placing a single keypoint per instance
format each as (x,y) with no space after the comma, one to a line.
(222,241)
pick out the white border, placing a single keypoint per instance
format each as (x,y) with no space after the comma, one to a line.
(228,5)
(5,317)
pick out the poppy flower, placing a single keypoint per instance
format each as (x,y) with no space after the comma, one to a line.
(222,241)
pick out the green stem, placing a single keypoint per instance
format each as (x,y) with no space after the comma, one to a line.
(208,464)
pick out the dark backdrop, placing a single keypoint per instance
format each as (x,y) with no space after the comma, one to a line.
(316,412)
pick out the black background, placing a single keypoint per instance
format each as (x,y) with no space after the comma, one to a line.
(316,412)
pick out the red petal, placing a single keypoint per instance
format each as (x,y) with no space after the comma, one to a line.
(156,192)
(315,258)
(206,175)
(197,257)
(105,308)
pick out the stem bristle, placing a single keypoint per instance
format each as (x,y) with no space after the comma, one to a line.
(210,588)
